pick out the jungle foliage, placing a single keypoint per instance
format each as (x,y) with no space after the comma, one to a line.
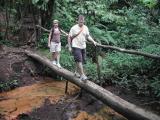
(127,24)
(130,24)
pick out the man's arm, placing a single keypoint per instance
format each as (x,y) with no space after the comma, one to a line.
(69,42)
(70,35)
(91,39)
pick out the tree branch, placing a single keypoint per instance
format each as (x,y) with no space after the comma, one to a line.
(65,34)
(130,51)
(42,28)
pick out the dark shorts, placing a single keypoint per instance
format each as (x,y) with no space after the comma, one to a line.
(79,54)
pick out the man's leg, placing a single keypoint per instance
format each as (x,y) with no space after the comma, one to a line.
(83,54)
(80,68)
(76,72)
(83,77)
(79,59)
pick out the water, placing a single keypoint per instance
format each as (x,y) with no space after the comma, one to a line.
(30,102)
(25,99)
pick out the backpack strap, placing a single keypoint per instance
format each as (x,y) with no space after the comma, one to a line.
(74,36)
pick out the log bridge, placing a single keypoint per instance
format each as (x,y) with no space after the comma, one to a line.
(128,110)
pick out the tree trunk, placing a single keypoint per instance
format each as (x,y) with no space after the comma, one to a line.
(7,21)
(46,15)
(123,107)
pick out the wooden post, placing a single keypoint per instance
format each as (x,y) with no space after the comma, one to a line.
(66,88)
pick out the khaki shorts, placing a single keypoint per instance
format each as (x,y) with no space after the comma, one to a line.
(55,47)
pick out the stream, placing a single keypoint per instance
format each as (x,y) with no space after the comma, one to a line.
(46,100)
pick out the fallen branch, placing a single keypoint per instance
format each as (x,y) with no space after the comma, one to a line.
(65,34)
(42,28)
(130,111)
(149,103)
(130,51)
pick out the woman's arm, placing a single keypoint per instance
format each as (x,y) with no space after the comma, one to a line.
(66,34)
(49,39)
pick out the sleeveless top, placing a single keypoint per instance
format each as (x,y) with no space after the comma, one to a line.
(55,37)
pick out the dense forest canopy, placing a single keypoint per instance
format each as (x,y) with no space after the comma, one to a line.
(130,24)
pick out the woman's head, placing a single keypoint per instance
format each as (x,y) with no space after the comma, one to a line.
(55,23)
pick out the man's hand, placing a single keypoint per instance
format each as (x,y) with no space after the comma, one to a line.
(70,49)
(49,45)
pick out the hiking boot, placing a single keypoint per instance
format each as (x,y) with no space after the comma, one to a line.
(54,62)
(76,74)
(83,78)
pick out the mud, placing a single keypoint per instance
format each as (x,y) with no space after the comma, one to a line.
(25,99)
(85,107)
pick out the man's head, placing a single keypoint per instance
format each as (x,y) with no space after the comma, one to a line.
(81,20)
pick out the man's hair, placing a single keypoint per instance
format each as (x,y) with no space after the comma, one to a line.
(80,18)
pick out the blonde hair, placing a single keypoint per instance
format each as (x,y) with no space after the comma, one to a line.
(55,21)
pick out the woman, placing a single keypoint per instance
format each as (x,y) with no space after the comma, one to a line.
(54,43)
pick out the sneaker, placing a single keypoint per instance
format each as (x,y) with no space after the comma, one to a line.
(83,78)
(76,74)
(54,62)
(58,65)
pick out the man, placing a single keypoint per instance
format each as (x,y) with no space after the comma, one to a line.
(78,35)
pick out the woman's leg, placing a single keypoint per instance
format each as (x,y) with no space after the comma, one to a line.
(58,49)
(58,59)
(54,58)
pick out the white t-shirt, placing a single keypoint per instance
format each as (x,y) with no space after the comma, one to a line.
(80,40)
